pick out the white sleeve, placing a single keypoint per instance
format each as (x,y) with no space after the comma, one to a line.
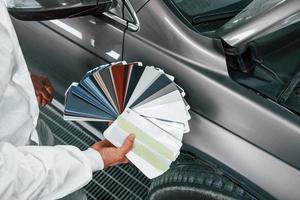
(6,49)
(44,172)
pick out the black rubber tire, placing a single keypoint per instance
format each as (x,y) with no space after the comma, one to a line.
(192,179)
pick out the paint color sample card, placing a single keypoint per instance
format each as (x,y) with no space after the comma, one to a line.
(142,100)
(154,148)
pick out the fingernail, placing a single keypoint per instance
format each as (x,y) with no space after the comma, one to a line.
(131,136)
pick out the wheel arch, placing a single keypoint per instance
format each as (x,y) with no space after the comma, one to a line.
(265,175)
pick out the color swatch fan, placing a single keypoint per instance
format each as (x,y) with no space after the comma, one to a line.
(142,100)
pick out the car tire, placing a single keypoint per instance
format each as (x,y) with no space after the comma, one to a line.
(192,179)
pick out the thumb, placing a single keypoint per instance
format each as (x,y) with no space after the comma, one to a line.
(128,144)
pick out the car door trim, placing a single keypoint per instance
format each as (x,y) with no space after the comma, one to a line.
(132,26)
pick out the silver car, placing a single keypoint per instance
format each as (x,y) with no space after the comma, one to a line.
(238,60)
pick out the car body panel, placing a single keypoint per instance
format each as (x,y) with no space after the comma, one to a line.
(210,91)
(62,65)
(90,32)
(230,123)
(74,45)
(137,4)
(213,94)
(277,178)
(258,19)
(162,32)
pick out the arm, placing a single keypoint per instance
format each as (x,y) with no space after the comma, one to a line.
(36,172)
(33,171)
(43,172)
(6,60)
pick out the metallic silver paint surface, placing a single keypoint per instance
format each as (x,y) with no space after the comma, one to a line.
(137,4)
(210,91)
(165,42)
(165,32)
(274,176)
(68,48)
(88,31)
(246,127)
(258,19)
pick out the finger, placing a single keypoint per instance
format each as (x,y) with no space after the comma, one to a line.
(45,94)
(45,102)
(110,122)
(39,99)
(125,161)
(127,145)
(50,90)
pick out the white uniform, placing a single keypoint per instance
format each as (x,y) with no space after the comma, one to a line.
(31,172)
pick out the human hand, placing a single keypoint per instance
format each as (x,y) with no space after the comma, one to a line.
(44,91)
(111,155)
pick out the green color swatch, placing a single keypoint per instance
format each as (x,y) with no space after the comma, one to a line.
(145,138)
(147,155)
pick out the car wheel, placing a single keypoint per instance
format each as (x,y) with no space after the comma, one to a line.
(193,179)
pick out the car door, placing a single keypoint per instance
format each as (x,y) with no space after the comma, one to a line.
(65,49)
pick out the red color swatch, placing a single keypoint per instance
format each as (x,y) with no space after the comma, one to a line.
(120,73)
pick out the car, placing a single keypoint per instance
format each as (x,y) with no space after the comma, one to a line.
(238,61)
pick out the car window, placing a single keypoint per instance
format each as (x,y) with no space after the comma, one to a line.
(117,9)
(206,16)
(127,15)
(199,7)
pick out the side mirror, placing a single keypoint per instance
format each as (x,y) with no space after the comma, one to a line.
(38,10)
